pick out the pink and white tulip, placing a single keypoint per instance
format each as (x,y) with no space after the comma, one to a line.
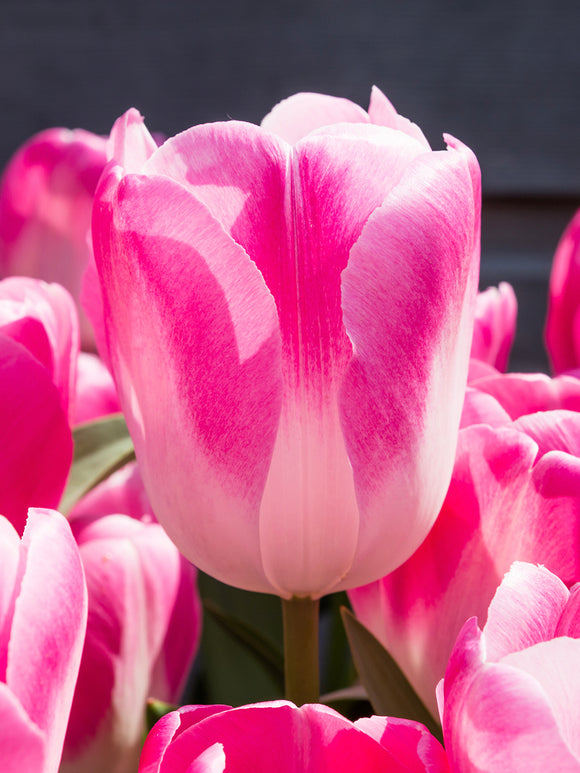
(39,343)
(494,327)
(279,736)
(511,691)
(310,309)
(143,629)
(563,320)
(46,198)
(43,614)
(514,495)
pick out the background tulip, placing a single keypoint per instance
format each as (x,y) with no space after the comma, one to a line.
(510,695)
(310,308)
(38,356)
(563,320)
(514,495)
(279,736)
(494,326)
(144,624)
(43,612)
(46,198)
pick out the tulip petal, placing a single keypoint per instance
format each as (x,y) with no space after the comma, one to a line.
(553,431)
(36,442)
(297,116)
(400,430)
(48,627)
(130,144)
(525,610)
(212,419)
(525,393)
(554,666)
(382,113)
(21,741)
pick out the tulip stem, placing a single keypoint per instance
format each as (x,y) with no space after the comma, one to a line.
(301,673)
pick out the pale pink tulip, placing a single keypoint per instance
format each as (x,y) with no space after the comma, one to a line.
(495,325)
(279,736)
(143,626)
(511,693)
(46,198)
(514,495)
(43,614)
(38,355)
(289,328)
(563,320)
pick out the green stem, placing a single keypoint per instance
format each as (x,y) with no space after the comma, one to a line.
(301,650)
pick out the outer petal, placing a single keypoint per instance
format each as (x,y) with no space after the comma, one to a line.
(212,420)
(409,742)
(35,439)
(495,325)
(562,319)
(401,400)
(48,628)
(382,112)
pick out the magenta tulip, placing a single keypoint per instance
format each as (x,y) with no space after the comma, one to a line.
(514,495)
(512,691)
(46,198)
(289,327)
(563,320)
(143,628)
(38,356)
(495,325)
(278,736)
(43,613)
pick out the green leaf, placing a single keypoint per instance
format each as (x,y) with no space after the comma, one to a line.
(388,688)
(251,639)
(100,448)
(155,710)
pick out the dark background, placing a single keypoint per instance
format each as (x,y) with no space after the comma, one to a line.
(502,76)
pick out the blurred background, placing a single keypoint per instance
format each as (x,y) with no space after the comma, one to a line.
(503,76)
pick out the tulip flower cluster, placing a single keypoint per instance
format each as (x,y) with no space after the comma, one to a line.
(290,337)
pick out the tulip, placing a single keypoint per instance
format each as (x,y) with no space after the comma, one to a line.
(278,736)
(96,395)
(514,495)
(38,355)
(310,308)
(562,332)
(144,623)
(43,612)
(46,198)
(511,691)
(495,325)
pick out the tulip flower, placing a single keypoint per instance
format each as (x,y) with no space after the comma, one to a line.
(514,495)
(46,198)
(511,691)
(495,325)
(38,354)
(144,623)
(562,332)
(43,612)
(278,736)
(96,395)
(289,328)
